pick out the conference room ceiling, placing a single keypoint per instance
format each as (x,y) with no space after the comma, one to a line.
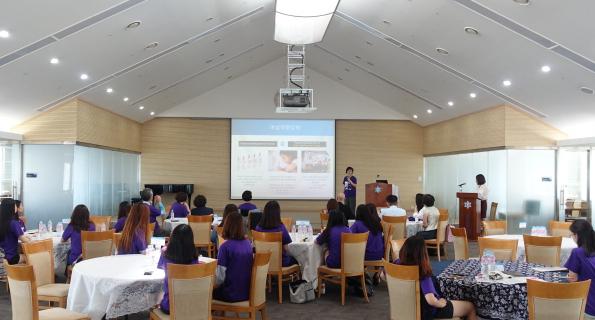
(384,49)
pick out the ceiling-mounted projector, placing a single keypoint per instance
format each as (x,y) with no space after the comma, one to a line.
(295,101)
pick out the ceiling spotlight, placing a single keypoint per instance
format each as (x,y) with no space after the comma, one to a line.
(133,25)
(141,107)
(472,31)
(414,116)
(152,113)
(546,69)
(125,99)
(54,61)
(442,51)
(587,90)
(506,83)
(429,111)
(472,95)
(152,45)
(450,103)
(4,34)
(109,90)
(84,76)
(522,2)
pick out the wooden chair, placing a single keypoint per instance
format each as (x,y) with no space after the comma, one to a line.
(438,243)
(257,301)
(287,222)
(272,242)
(496,227)
(461,245)
(375,266)
(97,243)
(560,228)
(323,219)
(543,250)
(201,227)
(443,211)
(557,301)
(398,225)
(504,249)
(4,277)
(40,255)
(24,298)
(98,220)
(220,239)
(493,210)
(190,291)
(396,246)
(353,250)
(403,291)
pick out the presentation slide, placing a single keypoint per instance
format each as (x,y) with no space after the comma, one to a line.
(283,159)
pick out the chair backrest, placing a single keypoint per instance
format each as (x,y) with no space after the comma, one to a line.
(287,222)
(399,226)
(442,224)
(560,228)
(443,211)
(461,245)
(23,292)
(270,242)
(258,285)
(99,220)
(503,249)
(396,246)
(403,291)
(387,230)
(353,252)
(40,255)
(97,243)
(150,231)
(117,239)
(220,239)
(323,219)
(493,210)
(543,250)
(201,228)
(190,288)
(491,228)
(557,301)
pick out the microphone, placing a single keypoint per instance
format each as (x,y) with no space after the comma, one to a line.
(462,184)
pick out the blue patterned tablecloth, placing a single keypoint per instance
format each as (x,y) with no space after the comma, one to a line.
(491,300)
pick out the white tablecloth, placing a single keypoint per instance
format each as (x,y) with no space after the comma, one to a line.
(567,245)
(309,256)
(170,225)
(413,227)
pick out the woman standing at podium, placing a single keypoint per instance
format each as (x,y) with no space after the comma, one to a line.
(482,194)
(349,188)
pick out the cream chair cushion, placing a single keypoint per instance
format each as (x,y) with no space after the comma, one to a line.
(157,312)
(545,255)
(235,304)
(459,246)
(60,314)
(557,309)
(22,301)
(53,290)
(201,231)
(354,257)
(191,297)
(493,232)
(403,301)
(273,247)
(95,249)
(503,254)
(41,262)
(557,232)
(260,284)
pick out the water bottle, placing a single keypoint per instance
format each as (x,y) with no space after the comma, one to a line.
(59,228)
(50,226)
(309,231)
(491,261)
(40,227)
(484,263)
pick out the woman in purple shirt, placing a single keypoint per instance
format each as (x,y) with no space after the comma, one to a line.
(366,222)
(247,206)
(234,262)
(10,232)
(271,222)
(180,209)
(414,253)
(581,263)
(180,250)
(79,221)
(123,210)
(332,237)
(350,188)
(20,214)
(134,235)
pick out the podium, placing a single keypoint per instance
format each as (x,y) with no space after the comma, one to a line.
(377,192)
(469,214)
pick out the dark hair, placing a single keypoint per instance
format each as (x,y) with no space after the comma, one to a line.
(480,179)
(181,197)
(392,199)
(349,168)
(428,200)
(271,216)
(7,213)
(364,215)
(137,222)
(233,227)
(419,201)
(289,153)
(373,209)
(335,219)
(226,211)
(17,203)
(585,236)
(414,253)
(146,194)
(79,220)
(247,195)
(200,201)
(332,204)
(123,209)
(180,249)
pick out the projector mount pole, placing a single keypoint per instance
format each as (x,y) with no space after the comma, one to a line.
(296,67)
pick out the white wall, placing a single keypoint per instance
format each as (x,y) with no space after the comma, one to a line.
(252,95)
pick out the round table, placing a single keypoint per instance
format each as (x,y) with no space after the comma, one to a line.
(169,224)
(567,245)
(309,256)
(61,249)
(413,227)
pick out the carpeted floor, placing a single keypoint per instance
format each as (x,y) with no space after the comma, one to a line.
(327,307)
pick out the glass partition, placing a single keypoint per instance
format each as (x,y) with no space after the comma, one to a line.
(573,184)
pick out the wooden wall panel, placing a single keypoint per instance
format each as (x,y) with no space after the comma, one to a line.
(56,125)
(524,130)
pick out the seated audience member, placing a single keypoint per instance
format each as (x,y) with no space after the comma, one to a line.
(247,206)
(419,204)
(79,221)
(331,236)
(134,235)
(271,222)
(147,196)
(332,204)
(431,218)
(21,214)
(414,253)
(366,222)
(581,264)
(373,209)
(393,210)
(180,250)
(158,203)
(200,206)
(230,208)
(123,210)
(343,207)
(180,209)
(10,232)
(234,262)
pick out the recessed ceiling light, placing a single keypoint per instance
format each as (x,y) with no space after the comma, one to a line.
(54,61)
(546,69)
(371,64)
(217,40)
(221,54)
(429,111)
(506,83)
(414,116)
(471,31)
(209,61)
(450,103)
(125,99)
(133,25)
(369,43)
(386,22)
(587,90)
(339,78)
(141,107)
(522,2)
(152,45)
(84,76)
(473,95)
(4,34)
(152,113)
(441,50)
(358,57)
(109,90)
(209,18)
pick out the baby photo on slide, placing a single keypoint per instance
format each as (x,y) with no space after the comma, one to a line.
(283,161)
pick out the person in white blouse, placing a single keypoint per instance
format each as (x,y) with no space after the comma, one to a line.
(482,194)
(393,209)
(431,217)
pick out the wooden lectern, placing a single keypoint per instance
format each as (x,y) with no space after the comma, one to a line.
(377,192)
(469,214)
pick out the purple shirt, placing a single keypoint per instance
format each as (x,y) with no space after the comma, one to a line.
(179,210)
(348,189)
(375,245)
(584,267)
(285,239)
(162,264)
(236,256)
(76,244)
(22,224)
(247,206)
(120,224)
(139,244)
(10,242)
(333,260)
(153,214)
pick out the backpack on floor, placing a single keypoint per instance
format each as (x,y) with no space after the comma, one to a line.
(301,291)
